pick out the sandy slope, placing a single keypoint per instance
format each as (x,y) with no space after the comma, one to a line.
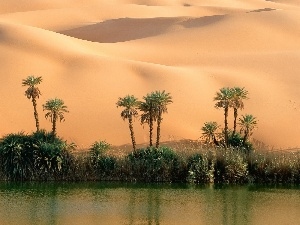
(91,54)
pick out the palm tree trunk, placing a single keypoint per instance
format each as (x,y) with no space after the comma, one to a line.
(159,119)
(151,129)
(131,132)
(234,122)
(215,141)
(35,113)
(54,125)
(226,126)
(246,133)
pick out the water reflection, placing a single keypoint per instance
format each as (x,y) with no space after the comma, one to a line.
(113,203)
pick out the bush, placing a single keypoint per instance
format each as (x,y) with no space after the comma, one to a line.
(97,150)
(236,141)
(49,158)
(102,165)
(30,157)
(17,153)
(153,165)
(230,166)
(199,169)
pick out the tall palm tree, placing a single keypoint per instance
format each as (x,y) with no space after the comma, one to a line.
(56,109)
(239,94)
(223,100)
(161,100)
(33,92)
(149,114)
(248,123)
(209,132)
(130,104)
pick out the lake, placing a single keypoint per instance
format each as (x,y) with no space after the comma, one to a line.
(115,203)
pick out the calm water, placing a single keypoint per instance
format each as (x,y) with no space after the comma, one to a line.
(111,203)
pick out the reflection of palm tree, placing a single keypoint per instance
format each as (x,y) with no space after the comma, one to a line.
(132,205)
(130,104)
(53,206)
(33,92)
(153,206)
(236,205)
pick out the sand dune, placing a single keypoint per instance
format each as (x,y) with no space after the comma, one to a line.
(89,54)
(127,29)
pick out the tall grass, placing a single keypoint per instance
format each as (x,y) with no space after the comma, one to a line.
(274,167)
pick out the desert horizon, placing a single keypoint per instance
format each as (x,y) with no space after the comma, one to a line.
(90,54)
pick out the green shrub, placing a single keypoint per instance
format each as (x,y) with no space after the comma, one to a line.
(153,165)
(102,166)
(97,150)
(236,141)
(106,167)
(230,166)
(49,158)
(44,136)
(17,152)
(199,170)
(30,157)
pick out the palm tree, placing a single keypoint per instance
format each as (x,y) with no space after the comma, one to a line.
(149,115)
(239,94)
(248,123)
(209,132)
(224,100)
(56,110)
(161,100)
(130,104)
(33,92)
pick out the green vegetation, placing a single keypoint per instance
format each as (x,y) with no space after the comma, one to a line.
(227,98)
(33,92)
(152,108)
(56,109)
(238,95)
(149,115)
(209,132)
(38,156)
(130,104)
(153,165)
(161,100)
(248,123)
(223,100)
(225,156)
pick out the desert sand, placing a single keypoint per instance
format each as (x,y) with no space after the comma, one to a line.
(89,54)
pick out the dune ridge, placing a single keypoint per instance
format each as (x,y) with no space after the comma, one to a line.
(89,54)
